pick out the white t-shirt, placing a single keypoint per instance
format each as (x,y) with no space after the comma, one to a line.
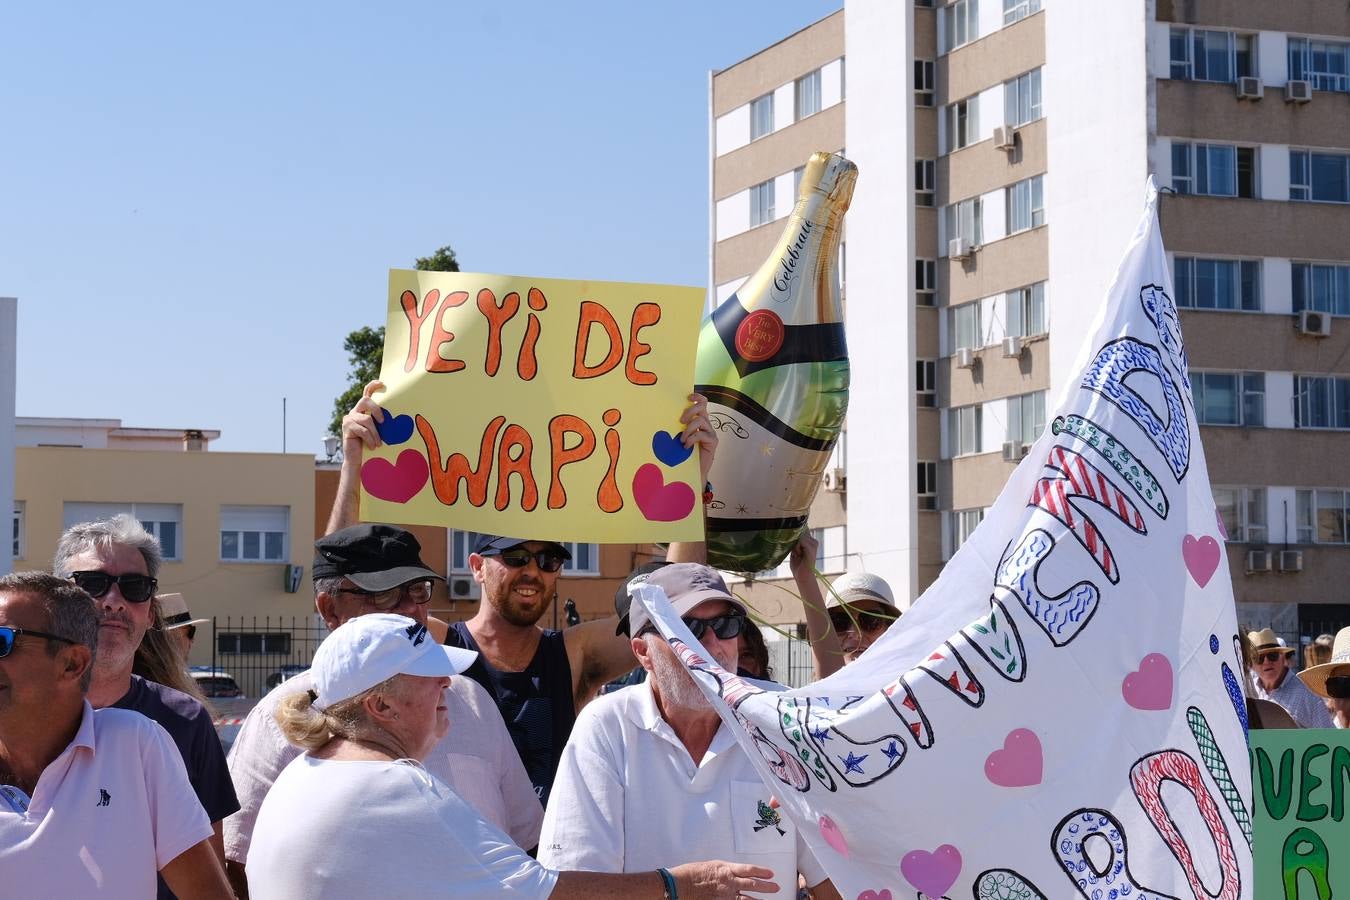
(331,829)
(107,814)
(628,798)
(476,758)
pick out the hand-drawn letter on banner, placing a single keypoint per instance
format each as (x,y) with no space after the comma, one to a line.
(1049,711)
(536,407)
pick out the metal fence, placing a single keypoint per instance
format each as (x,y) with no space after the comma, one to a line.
(259,653)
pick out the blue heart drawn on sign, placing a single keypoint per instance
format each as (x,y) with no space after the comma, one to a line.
(669,450)
(395,429)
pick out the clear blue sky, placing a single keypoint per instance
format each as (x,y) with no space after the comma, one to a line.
(200,201)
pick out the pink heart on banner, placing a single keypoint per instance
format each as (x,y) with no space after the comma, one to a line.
(1149,686)
(933,873)
(1202,557)
(833,836)
(1019,763)
(883,894)
(661,502)
(397,482)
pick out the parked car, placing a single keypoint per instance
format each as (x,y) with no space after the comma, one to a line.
(216,683)
(284,673)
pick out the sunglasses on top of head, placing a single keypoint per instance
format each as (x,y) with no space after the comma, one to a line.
(134,588)
(519,557)
(9,634)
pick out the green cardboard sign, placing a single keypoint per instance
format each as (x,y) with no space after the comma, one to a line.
(1301,835)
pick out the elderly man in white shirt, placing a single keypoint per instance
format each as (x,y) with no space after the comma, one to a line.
(651,777)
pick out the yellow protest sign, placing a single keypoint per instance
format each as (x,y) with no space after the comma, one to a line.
(536,407)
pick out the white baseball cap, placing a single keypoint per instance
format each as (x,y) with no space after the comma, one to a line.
(853,587)
(369,649)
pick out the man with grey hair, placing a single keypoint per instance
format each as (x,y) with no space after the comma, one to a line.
(116,561)
(92,803)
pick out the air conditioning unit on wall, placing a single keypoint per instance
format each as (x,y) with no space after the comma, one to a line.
(1316,324)
(959,248)
(834,480)
(1250,88)
(1291,560)
(1258,561)
(1013,347)
(1013,451)
(964,358)
(1297,91)
(464,587)
(1005,137)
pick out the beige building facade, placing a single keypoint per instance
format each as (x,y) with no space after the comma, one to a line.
(1003,147)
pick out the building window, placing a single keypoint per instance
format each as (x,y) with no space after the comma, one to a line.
(761,203)
(806,95)
(964,522)
(18,530)
(1201,55)
(254,533)
(1026,204)
(962,21)
(1243,513)
(925,81)
(966,331)
(925,282)
(1217,283)
(1229,398)
(967,430)
(253,642)
(163,520)
(1324,63)
(1321,402)
(1016,10)
(1321,516)
(761,116)
(963,122)
(1215,170)
(1026,417)
(926,485)
(1025,312)
(1322,177)
(925,382)
(966,220)
(1324,288)
(1022,98)
(925,182)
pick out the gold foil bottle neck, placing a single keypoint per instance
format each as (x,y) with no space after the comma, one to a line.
(831,176)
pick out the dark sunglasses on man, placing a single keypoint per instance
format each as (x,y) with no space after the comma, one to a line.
(725,626)
(9,634)
(134,588)
(548,560)
(418,592)
(1269,656)
(843,620)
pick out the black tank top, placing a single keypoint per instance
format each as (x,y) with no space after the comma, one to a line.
(536,704)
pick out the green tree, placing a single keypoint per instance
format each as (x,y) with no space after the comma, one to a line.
(365,345)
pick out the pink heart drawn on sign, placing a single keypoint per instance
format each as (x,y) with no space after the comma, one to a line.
(1019,764)
(833,836)
(1149,686)
(397,482)
(933,873)
(661,502)
(883,894)
(1202,557)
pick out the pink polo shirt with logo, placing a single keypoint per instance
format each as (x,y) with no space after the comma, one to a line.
(108,813)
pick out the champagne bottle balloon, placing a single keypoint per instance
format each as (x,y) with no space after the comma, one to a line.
(773,363)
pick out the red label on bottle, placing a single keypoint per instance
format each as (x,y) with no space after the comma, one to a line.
(760,335)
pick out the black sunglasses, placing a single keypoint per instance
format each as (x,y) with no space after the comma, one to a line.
(519,558)
(1270,656)
(1338,687)
(8,635)
(134,588)
(725,626)
(843,620)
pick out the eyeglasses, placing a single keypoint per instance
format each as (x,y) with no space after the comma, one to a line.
(725,626)
(418,592)
(1270,656)
(519,558)
(845,619)
(134,588)
(1338,687)
(8,635)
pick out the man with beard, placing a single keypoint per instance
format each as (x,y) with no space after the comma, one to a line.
(116,562)
(538,677)
(652,776)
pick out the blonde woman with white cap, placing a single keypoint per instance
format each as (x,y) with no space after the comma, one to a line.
(1331,679)
(357,816)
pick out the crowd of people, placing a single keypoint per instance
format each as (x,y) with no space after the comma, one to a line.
(490,757)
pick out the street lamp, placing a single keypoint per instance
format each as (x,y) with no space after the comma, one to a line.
(330,446)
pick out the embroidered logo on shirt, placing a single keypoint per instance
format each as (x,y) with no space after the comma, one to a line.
(768,818)
(104,798)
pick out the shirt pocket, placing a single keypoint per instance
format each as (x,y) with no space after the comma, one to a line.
(758,828)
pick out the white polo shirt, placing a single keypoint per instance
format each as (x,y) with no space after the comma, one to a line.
(108,813)
(629,798)
(476,759)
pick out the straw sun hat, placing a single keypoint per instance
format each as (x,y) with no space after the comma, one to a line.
(1316,677)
